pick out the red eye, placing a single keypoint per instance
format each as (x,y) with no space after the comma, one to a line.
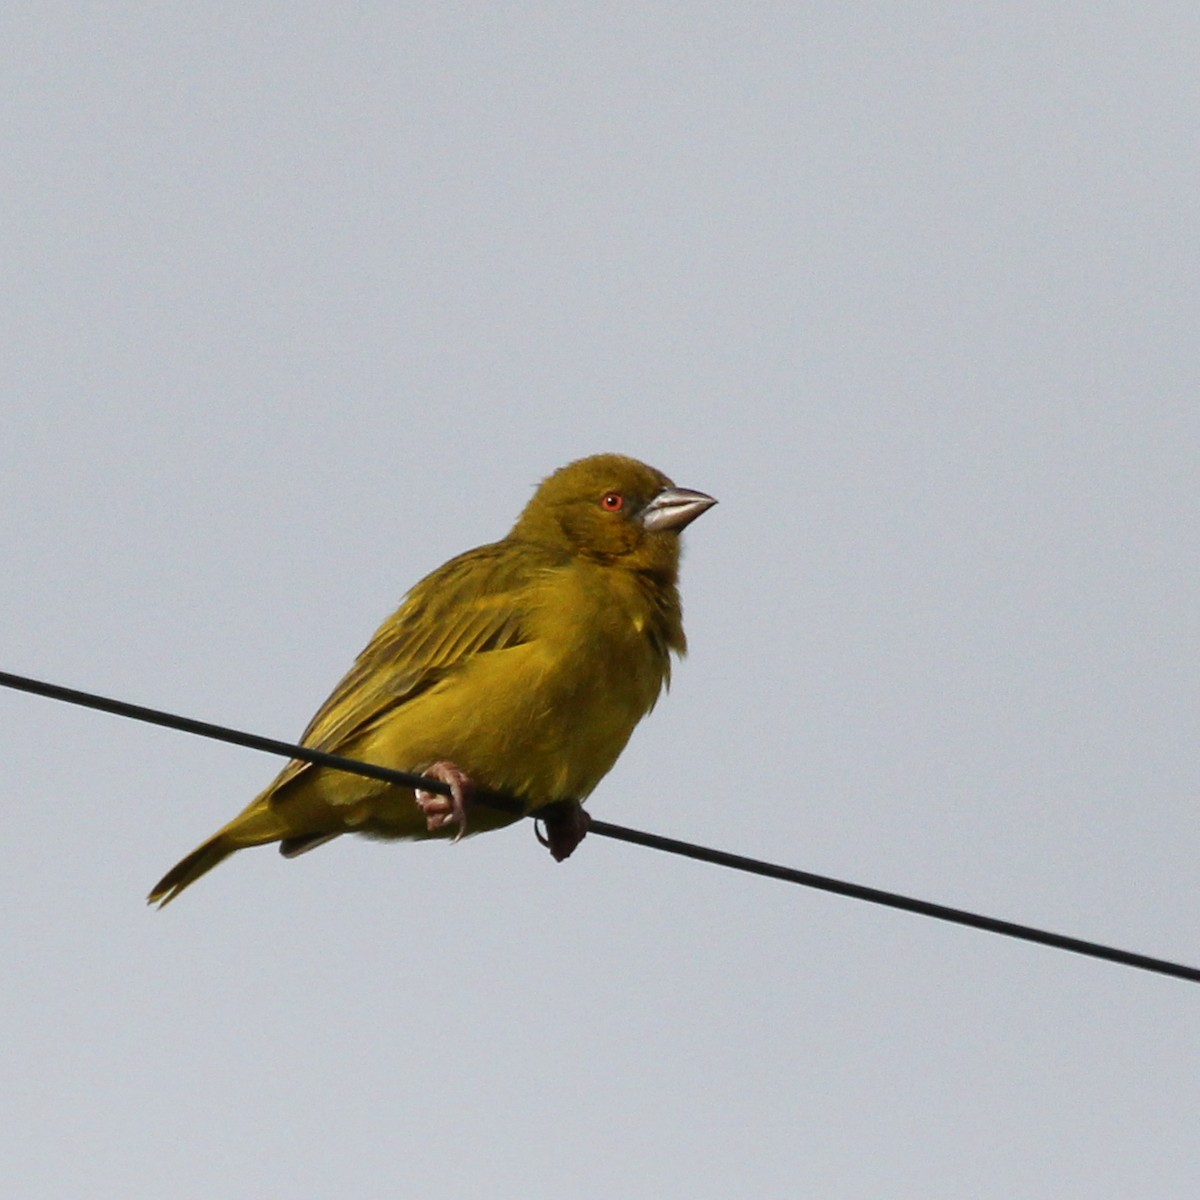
(612,502)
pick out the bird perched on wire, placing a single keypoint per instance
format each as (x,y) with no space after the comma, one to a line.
(518,669)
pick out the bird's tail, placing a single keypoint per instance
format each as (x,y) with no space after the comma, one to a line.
(256,826)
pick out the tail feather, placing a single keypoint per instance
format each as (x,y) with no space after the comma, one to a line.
(188,870)
(293,847)
(256,826)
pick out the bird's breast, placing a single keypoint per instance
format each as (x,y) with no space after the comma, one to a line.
(597,667)
(544,719)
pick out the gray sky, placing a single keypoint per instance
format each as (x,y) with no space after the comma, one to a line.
(298,303)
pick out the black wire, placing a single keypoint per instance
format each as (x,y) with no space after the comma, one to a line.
(238,737)
(620,833)
(220,733)
(924,908)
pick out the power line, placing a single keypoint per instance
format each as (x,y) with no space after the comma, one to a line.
(238,737)
(621,833)
(924,908)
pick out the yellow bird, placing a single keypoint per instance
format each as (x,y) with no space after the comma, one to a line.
(518,668)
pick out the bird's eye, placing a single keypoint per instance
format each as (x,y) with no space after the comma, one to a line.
(612,502)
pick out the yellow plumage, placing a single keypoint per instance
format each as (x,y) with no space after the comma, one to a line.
(525,663)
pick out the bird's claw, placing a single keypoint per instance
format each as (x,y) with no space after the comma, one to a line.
(566,823)
(441,811)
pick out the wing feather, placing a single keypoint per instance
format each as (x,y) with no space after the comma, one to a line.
(474,604)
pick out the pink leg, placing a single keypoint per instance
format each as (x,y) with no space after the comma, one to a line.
(441,811)
(566,823)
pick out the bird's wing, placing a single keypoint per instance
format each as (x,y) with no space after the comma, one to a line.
(475,603)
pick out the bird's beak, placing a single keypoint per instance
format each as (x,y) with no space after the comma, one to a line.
(673,508)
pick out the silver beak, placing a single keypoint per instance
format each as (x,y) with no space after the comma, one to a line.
(673,508)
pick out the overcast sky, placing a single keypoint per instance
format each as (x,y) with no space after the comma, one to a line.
(298,300)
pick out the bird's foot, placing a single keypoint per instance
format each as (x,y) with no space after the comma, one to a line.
(441,811)
(566,823)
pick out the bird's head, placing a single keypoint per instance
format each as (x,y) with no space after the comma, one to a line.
(612,509)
